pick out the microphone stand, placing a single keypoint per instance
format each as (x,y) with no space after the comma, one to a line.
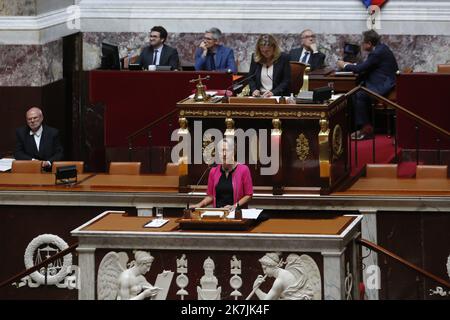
(187,211)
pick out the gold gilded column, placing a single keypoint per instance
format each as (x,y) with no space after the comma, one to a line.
(183,131)
(229,127)
(324,149)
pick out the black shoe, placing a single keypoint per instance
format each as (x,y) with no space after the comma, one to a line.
(360,135)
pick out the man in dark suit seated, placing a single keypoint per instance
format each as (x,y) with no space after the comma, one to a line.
(211,55)
(308,52)
(378,74)
(37,141)
(158,53)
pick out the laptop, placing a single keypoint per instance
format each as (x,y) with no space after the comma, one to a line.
(163,68)
(134,66)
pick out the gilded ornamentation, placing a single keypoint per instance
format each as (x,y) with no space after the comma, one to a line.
(208,149)
(183,123)
(229,127)
(276,123)
(252,113)
(302,148)
(338,148)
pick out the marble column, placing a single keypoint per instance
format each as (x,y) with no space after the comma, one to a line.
(86,261)
(334,275)
(370,258)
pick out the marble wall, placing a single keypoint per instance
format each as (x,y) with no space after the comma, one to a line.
(421,52)
(17,7)
(35,65)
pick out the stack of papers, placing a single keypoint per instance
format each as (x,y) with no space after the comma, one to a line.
(156,223)
(5,164)
(343,73)
(247,213)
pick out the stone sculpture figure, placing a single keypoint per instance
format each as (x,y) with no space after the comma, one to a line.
(299,280)
(116,281)
(208,283)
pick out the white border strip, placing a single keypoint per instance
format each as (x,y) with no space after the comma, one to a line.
(250,16)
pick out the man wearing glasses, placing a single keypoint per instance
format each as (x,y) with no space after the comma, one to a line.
(308,52)
(210,55)
(158,53)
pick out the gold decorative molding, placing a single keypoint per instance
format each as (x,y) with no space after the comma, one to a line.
(208,149)
(302,148)
(337,108)
(337,142)
(214,113)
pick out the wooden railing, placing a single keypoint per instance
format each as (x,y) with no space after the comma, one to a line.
(148,129)
(418,119)
(379,249)
(43,264)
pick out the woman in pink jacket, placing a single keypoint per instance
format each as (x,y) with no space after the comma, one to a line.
(229,184)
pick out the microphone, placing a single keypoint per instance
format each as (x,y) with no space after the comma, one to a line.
(187,211)
(237,85)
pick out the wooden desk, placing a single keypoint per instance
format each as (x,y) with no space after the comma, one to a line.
(132,183)
(341,84)
(34,181)
(328,242)
(386,186)
(90,182)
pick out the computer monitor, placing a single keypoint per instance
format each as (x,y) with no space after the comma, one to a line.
(351,52)
(110,56)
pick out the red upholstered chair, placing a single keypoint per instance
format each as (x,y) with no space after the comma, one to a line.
(431,172)
(26,166)
(382,170)
(78,164)
(127,168)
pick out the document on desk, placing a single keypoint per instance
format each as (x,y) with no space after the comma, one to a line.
(344,73)
(5,164)
(156,223)
(252,213)
(213,214)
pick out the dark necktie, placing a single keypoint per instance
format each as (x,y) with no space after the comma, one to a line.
(154,57)
(213,63)
(305,57)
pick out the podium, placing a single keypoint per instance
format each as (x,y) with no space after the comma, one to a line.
(230,259)
(312,140)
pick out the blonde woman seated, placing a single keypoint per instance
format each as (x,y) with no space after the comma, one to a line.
(271,69)
(230,183)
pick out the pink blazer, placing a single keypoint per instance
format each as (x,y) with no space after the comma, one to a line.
(242,182)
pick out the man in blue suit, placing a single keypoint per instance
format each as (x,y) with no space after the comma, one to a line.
(378,73)
(211,55)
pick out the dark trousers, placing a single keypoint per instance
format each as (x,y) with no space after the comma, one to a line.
(362,106)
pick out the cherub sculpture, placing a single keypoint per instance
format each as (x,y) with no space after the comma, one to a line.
(299,280)
(116,281)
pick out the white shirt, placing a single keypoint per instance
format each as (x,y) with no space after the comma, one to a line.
(37,137)
(158,55)
(266,78)
(303,54)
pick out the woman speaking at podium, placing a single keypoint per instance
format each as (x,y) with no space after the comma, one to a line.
(229,183)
